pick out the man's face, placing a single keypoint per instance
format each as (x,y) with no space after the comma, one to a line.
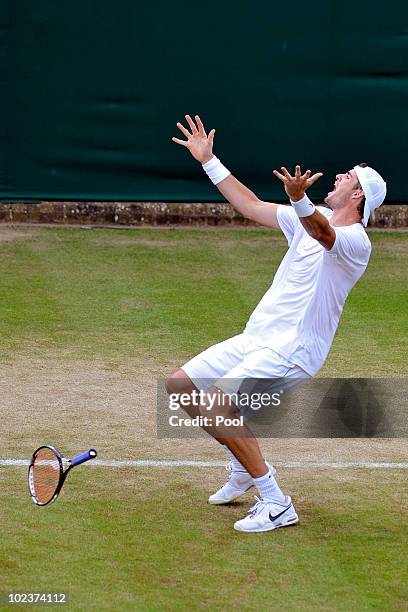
(344,186)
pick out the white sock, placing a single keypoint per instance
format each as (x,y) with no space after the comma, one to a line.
(269,489)
(236,465)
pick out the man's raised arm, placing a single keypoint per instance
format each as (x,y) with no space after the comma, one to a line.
(316,224)
(242,199)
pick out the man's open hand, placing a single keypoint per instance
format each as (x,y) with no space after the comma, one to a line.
(295,186)
(198,143)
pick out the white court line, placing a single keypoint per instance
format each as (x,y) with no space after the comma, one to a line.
(210,464)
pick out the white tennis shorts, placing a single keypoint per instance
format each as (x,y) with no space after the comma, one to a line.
(225,364)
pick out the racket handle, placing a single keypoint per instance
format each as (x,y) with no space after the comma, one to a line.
(86,456)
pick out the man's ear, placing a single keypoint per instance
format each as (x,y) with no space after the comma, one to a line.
(357,194)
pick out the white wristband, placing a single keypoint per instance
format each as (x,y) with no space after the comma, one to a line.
(216,172)
(304,207)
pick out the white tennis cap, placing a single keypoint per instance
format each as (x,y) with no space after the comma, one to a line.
(374,188)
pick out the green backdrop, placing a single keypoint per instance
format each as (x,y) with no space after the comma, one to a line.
(91,91)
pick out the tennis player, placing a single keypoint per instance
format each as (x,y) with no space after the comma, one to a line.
(290,332)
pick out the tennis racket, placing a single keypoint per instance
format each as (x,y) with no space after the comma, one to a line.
(46,473)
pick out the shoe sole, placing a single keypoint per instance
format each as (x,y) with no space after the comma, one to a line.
(291,523)
(223,502)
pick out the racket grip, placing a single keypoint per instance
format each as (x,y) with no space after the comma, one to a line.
(86,456)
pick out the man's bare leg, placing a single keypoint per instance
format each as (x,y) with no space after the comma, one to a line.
(239,439)
(244,448)
(178,382)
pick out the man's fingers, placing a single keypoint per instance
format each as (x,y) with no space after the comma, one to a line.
(191,124)
(183,129)
(279,175)
(201,129)
(306,174)
(297,172)
(180,142)
(314,178)
(211,136)
(285,172)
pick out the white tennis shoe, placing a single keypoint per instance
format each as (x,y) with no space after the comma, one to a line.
(238,483)
(267,515)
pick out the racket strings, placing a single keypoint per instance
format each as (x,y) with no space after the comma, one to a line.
(45,475)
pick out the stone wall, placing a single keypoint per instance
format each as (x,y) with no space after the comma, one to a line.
(155,213)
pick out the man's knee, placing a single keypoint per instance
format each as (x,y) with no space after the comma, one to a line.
(178,382)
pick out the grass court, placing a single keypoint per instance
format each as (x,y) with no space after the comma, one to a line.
(89,320)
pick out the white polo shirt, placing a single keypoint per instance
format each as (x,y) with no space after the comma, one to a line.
(298,316)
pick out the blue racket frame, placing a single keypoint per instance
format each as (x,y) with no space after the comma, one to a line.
(75,461)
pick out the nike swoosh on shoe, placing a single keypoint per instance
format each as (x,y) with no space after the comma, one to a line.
(273,518)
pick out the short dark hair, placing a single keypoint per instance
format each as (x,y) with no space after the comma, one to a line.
(360,207)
